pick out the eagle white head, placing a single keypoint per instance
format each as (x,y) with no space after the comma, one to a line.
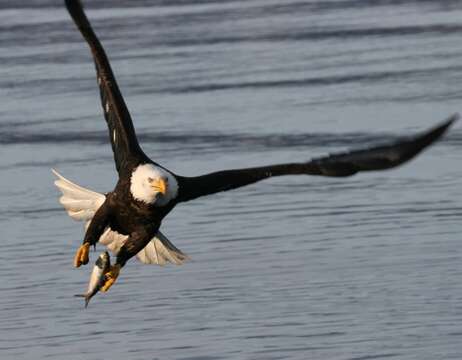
(153,185)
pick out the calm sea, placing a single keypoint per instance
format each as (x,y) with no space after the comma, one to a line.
(368,267)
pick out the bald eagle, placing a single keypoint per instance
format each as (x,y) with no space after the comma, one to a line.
(127,219)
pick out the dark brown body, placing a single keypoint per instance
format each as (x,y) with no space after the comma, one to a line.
(127,216)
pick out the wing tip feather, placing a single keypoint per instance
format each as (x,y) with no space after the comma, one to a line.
(444,126)
(430,136)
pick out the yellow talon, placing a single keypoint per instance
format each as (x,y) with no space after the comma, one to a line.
(81,256)
(111,277)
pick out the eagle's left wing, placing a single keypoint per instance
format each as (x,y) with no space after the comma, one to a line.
(341,164)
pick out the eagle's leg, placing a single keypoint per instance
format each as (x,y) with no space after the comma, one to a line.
(95,229)
(134,244)
(111,277)
(81,256)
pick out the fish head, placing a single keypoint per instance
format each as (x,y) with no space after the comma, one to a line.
(104,261)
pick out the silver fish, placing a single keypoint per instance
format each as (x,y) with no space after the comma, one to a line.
(97,277)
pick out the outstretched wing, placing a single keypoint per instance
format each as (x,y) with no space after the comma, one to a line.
(127,151)
(81,204)
(342,164)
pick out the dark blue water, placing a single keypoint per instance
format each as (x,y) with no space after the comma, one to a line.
(292,268)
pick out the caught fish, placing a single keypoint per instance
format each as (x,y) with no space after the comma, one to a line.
(97,277)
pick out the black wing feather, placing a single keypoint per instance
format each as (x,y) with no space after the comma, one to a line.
(342,164)
(127,152)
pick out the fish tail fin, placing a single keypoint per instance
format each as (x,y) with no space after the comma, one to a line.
(87,298)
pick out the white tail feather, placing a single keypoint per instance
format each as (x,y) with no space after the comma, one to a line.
(81,204)
(160,251)
(75,205)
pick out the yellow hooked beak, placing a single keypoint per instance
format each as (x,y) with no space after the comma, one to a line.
(159,185)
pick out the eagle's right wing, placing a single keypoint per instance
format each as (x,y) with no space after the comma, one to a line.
(81,204)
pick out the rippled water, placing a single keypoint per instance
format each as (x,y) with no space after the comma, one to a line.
(292,268)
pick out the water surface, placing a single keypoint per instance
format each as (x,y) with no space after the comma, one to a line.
(292,268)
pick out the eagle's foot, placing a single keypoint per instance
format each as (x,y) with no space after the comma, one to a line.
(111,277)
(81,256)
